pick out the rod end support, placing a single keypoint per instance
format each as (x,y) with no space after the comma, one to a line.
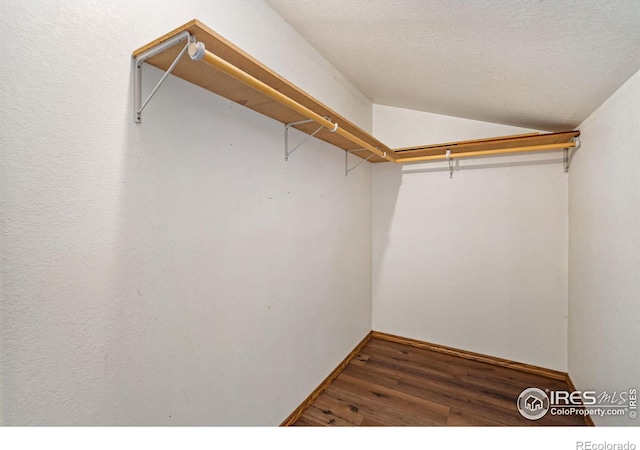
(196,51)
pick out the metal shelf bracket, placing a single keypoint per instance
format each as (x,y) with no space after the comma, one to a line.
(346,154)
(288,152)
(450,163)
(138,105)
(569,153)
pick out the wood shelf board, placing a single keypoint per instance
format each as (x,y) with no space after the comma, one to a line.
(219,83)
(224,85)
(479,145)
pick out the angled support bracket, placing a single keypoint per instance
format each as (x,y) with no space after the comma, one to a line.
(288,152)
(569,153)
(450,163)
(346,154)
(138,105)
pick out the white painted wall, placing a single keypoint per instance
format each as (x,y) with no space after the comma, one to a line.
(604,226)
(176,272)
(477,262)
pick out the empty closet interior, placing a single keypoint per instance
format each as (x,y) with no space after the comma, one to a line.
(214,227)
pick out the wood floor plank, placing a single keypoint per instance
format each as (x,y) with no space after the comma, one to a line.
(344,410)
(394,398)
(304,421)
(451,395)
(460,417)
(391,383)
(440,361)
(384,413)
(457,386)
(325,417)
(479,377)
(370,408)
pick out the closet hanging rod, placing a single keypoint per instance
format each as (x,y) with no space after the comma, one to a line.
(198,52)
(531,148)
(285,102)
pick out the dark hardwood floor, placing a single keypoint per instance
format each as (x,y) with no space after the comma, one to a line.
(394,384)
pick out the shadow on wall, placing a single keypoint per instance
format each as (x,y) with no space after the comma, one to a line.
(459,165)
(385,196)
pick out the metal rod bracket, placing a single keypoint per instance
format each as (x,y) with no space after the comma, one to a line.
(288,152)
(346,154)
(450,163)
(138,105)
(569,153)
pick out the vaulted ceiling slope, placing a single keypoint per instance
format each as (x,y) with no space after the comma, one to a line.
(541,64)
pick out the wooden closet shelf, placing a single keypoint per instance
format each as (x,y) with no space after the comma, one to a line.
(219,83)
(498,145)
(226,85)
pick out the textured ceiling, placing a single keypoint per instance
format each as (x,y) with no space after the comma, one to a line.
(531,63)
